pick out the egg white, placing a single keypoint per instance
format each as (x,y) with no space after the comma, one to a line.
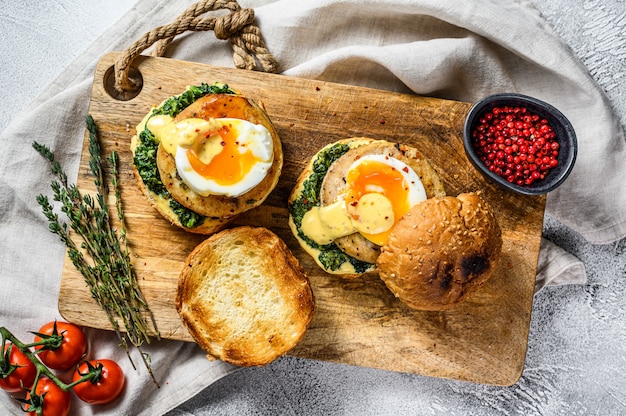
(416,191)
(253,137)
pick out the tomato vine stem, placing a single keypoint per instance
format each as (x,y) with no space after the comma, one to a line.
(41,368)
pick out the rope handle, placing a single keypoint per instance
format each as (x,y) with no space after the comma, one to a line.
(237,26)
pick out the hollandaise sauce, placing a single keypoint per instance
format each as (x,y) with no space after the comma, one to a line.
(220,156)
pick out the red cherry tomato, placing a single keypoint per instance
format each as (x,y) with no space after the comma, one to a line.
(72,347)
(105,387)
(17,372)
(48,399)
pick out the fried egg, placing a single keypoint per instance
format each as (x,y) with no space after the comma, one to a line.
(222,156)
(381,189)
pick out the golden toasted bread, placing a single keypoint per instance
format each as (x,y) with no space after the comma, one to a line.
(442,250)
(244,297)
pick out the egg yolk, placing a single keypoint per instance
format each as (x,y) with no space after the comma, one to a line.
(371,176)
(227,167)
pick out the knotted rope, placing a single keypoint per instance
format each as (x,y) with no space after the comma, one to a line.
(237,26)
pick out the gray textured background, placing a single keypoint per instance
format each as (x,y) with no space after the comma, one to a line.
(577,348)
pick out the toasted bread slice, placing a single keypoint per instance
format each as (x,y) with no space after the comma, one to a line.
(244,297)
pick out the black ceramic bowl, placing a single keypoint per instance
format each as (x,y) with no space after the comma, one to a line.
(561,126)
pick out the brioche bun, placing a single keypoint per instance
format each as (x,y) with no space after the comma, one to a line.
(244,297)
(442,250)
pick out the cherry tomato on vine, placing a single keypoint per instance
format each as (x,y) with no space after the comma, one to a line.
(105,387)
(70,349)
(48,399)
(17,372)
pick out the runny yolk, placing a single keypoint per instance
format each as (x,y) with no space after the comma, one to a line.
(227,167)
(374,176)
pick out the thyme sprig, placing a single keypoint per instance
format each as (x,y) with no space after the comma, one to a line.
(103,256)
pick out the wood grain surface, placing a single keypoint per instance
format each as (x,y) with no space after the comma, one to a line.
(357,322)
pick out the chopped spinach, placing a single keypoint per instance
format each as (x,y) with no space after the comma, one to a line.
(331,255)
(174,105)
(146,152)
(187,217)
(145,162)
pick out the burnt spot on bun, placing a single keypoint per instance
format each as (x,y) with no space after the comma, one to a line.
(474,265)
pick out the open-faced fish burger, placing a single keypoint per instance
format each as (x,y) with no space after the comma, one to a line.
(205,156)
(351,194)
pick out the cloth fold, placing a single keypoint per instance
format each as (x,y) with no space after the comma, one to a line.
(453,49)
(557,267)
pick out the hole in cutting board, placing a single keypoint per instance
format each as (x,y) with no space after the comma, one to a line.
(109,84)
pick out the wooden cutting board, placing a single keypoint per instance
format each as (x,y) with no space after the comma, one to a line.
(357,322)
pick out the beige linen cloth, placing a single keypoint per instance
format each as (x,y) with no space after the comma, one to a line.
(450,49)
